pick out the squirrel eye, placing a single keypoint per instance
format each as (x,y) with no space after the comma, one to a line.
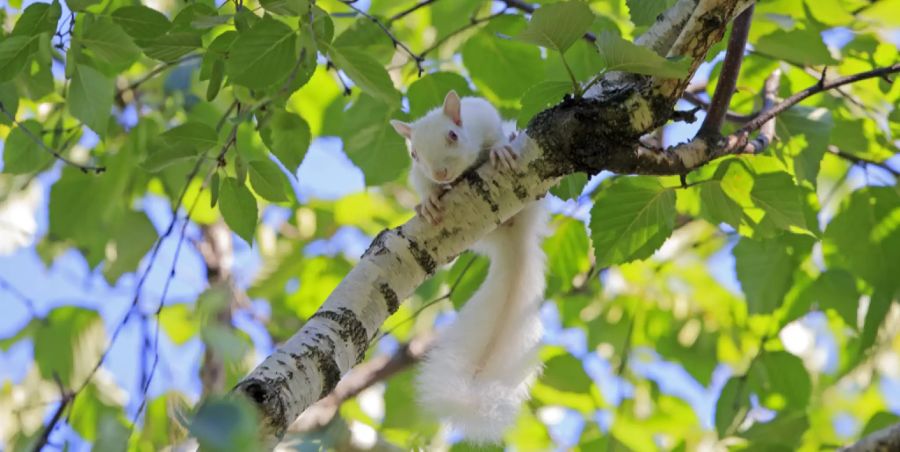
(415,156)
(452,136)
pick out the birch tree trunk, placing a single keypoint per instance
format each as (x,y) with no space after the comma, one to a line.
(600,131)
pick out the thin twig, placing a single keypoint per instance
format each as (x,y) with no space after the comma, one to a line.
(40,142)
(472,22)
(397,43)
(738,141)
(25,299)
(731,69)
(862,160)
(819,87)
(411,10)
(67,398)
(153,73)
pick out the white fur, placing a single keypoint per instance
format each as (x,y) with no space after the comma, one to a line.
(480,369)
(480,129)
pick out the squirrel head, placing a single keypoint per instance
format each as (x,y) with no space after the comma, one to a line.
(439,143)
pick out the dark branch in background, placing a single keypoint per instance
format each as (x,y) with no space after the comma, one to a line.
(695,99)
(216,248)
(731,69)
(411,10)
(823,85)
(886,439)
(397,43)
(862,160)
(345,88)
(40,142)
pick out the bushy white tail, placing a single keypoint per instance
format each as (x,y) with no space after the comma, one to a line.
(480,369)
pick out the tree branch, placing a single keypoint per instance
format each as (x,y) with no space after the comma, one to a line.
(694,99)
(819,87)
(731,69)
(882,440)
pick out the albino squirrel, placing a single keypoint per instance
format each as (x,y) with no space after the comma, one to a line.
(478,373)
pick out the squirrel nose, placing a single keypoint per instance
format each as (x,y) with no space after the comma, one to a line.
(441,174)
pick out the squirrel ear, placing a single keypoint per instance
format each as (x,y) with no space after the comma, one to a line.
(402,128)
(452,107)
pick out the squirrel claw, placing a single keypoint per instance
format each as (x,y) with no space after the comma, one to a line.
(431,209)
(503,156)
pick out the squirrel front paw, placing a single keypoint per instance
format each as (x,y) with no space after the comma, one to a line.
(503,156)
(431,208)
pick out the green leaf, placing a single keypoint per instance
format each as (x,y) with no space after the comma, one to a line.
(784,433)
(366,73)
(781,382)
(193,134)
(238,207)
(621,55)
(371,143)
(226,425)
(879,306)
(864,236)
(366,36)
(717,206)
(571,186)
(503,67)
(109,45)
(803,135)
(135,237)
(797,46)
(429,91)
(286,7)
(142,23)
(836,290)
(162,156)
(262,56)
(14,53)
(765,270)
(467,274)
(22,154)
(566,373)
(38,18)
(878,421)
(568,252)
(69,335)
(644,12)
(90,98)
(178,322)
(732,406)
(216,77)
(631,219)
(288,136)
(778,195)
(268,180)
(80,5)
(540,97)
(171,46)
(558,25)
(9,100)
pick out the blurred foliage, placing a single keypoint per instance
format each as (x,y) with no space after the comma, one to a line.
(212,107)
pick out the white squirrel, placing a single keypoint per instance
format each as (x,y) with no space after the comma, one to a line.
(479,371)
